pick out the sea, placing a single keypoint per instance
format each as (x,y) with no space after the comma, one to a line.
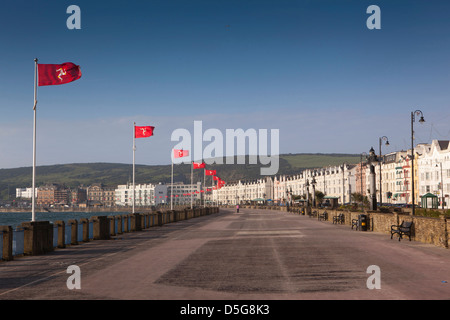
(14,219)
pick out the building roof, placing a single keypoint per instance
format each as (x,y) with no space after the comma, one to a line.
(443,144)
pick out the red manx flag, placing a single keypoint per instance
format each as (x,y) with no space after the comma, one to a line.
(177,153)
(143,132)
(216,178)
(53,74)
(210,172)
(199,165)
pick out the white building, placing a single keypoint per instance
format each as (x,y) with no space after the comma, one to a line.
(395,178)
(26,193)
(434,170)
(242,191)
(159,194)
(144,195)
(334,181)
(183,193)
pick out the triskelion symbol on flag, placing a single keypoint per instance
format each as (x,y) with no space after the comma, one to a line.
(62,72)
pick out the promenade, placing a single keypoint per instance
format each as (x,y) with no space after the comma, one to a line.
(255,254)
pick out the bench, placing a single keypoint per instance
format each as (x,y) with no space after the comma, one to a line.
(338,219)
(403,229)
(313,214)
(323,216)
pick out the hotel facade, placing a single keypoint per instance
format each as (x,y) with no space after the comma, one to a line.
(393,172)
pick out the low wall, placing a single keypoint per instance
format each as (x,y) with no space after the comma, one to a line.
(40,237)
(425,229)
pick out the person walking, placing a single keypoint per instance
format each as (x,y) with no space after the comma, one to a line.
(237,208)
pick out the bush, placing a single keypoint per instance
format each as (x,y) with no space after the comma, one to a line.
(385,210)
(428,213)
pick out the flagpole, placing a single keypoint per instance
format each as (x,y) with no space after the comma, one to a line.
(217,191)
(192,182)
(134,150)
(171,186)
(33,186)
(204,191)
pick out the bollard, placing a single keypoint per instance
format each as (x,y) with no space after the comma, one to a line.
(144,220)
(7,253)
(74,231)
(85,223)
(112,226)
(101,228)
(38,237)
(61,233)
(125,223)
(135,222)
(119,224)
(150,219)
(160,217)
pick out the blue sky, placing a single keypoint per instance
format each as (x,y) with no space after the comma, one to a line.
(311,69)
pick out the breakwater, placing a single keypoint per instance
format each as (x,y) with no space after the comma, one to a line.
(72,209)
(40,237)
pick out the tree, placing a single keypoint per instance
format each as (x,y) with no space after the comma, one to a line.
(357,197)
(319,196)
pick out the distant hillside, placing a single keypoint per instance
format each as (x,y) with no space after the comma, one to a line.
(113,174)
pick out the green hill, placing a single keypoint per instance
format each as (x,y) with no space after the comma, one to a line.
(113,174)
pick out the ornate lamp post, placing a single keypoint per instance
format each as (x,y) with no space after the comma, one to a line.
(372,158)
(313,182)
(361,176)
(421,120)
(381,159)
(307,192)
(442,186)
(343,184)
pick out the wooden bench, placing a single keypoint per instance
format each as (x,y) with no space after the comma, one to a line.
(313,214)
(323,216)
(338,219)
(403,229)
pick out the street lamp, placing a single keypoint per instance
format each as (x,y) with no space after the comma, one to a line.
(307,192)
(313,182)
(421,120)
(361,176)
(387,143)
(290,190)
(442,187)
(343,184)
(372,158)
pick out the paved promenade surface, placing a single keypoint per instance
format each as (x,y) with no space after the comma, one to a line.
(256,254)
